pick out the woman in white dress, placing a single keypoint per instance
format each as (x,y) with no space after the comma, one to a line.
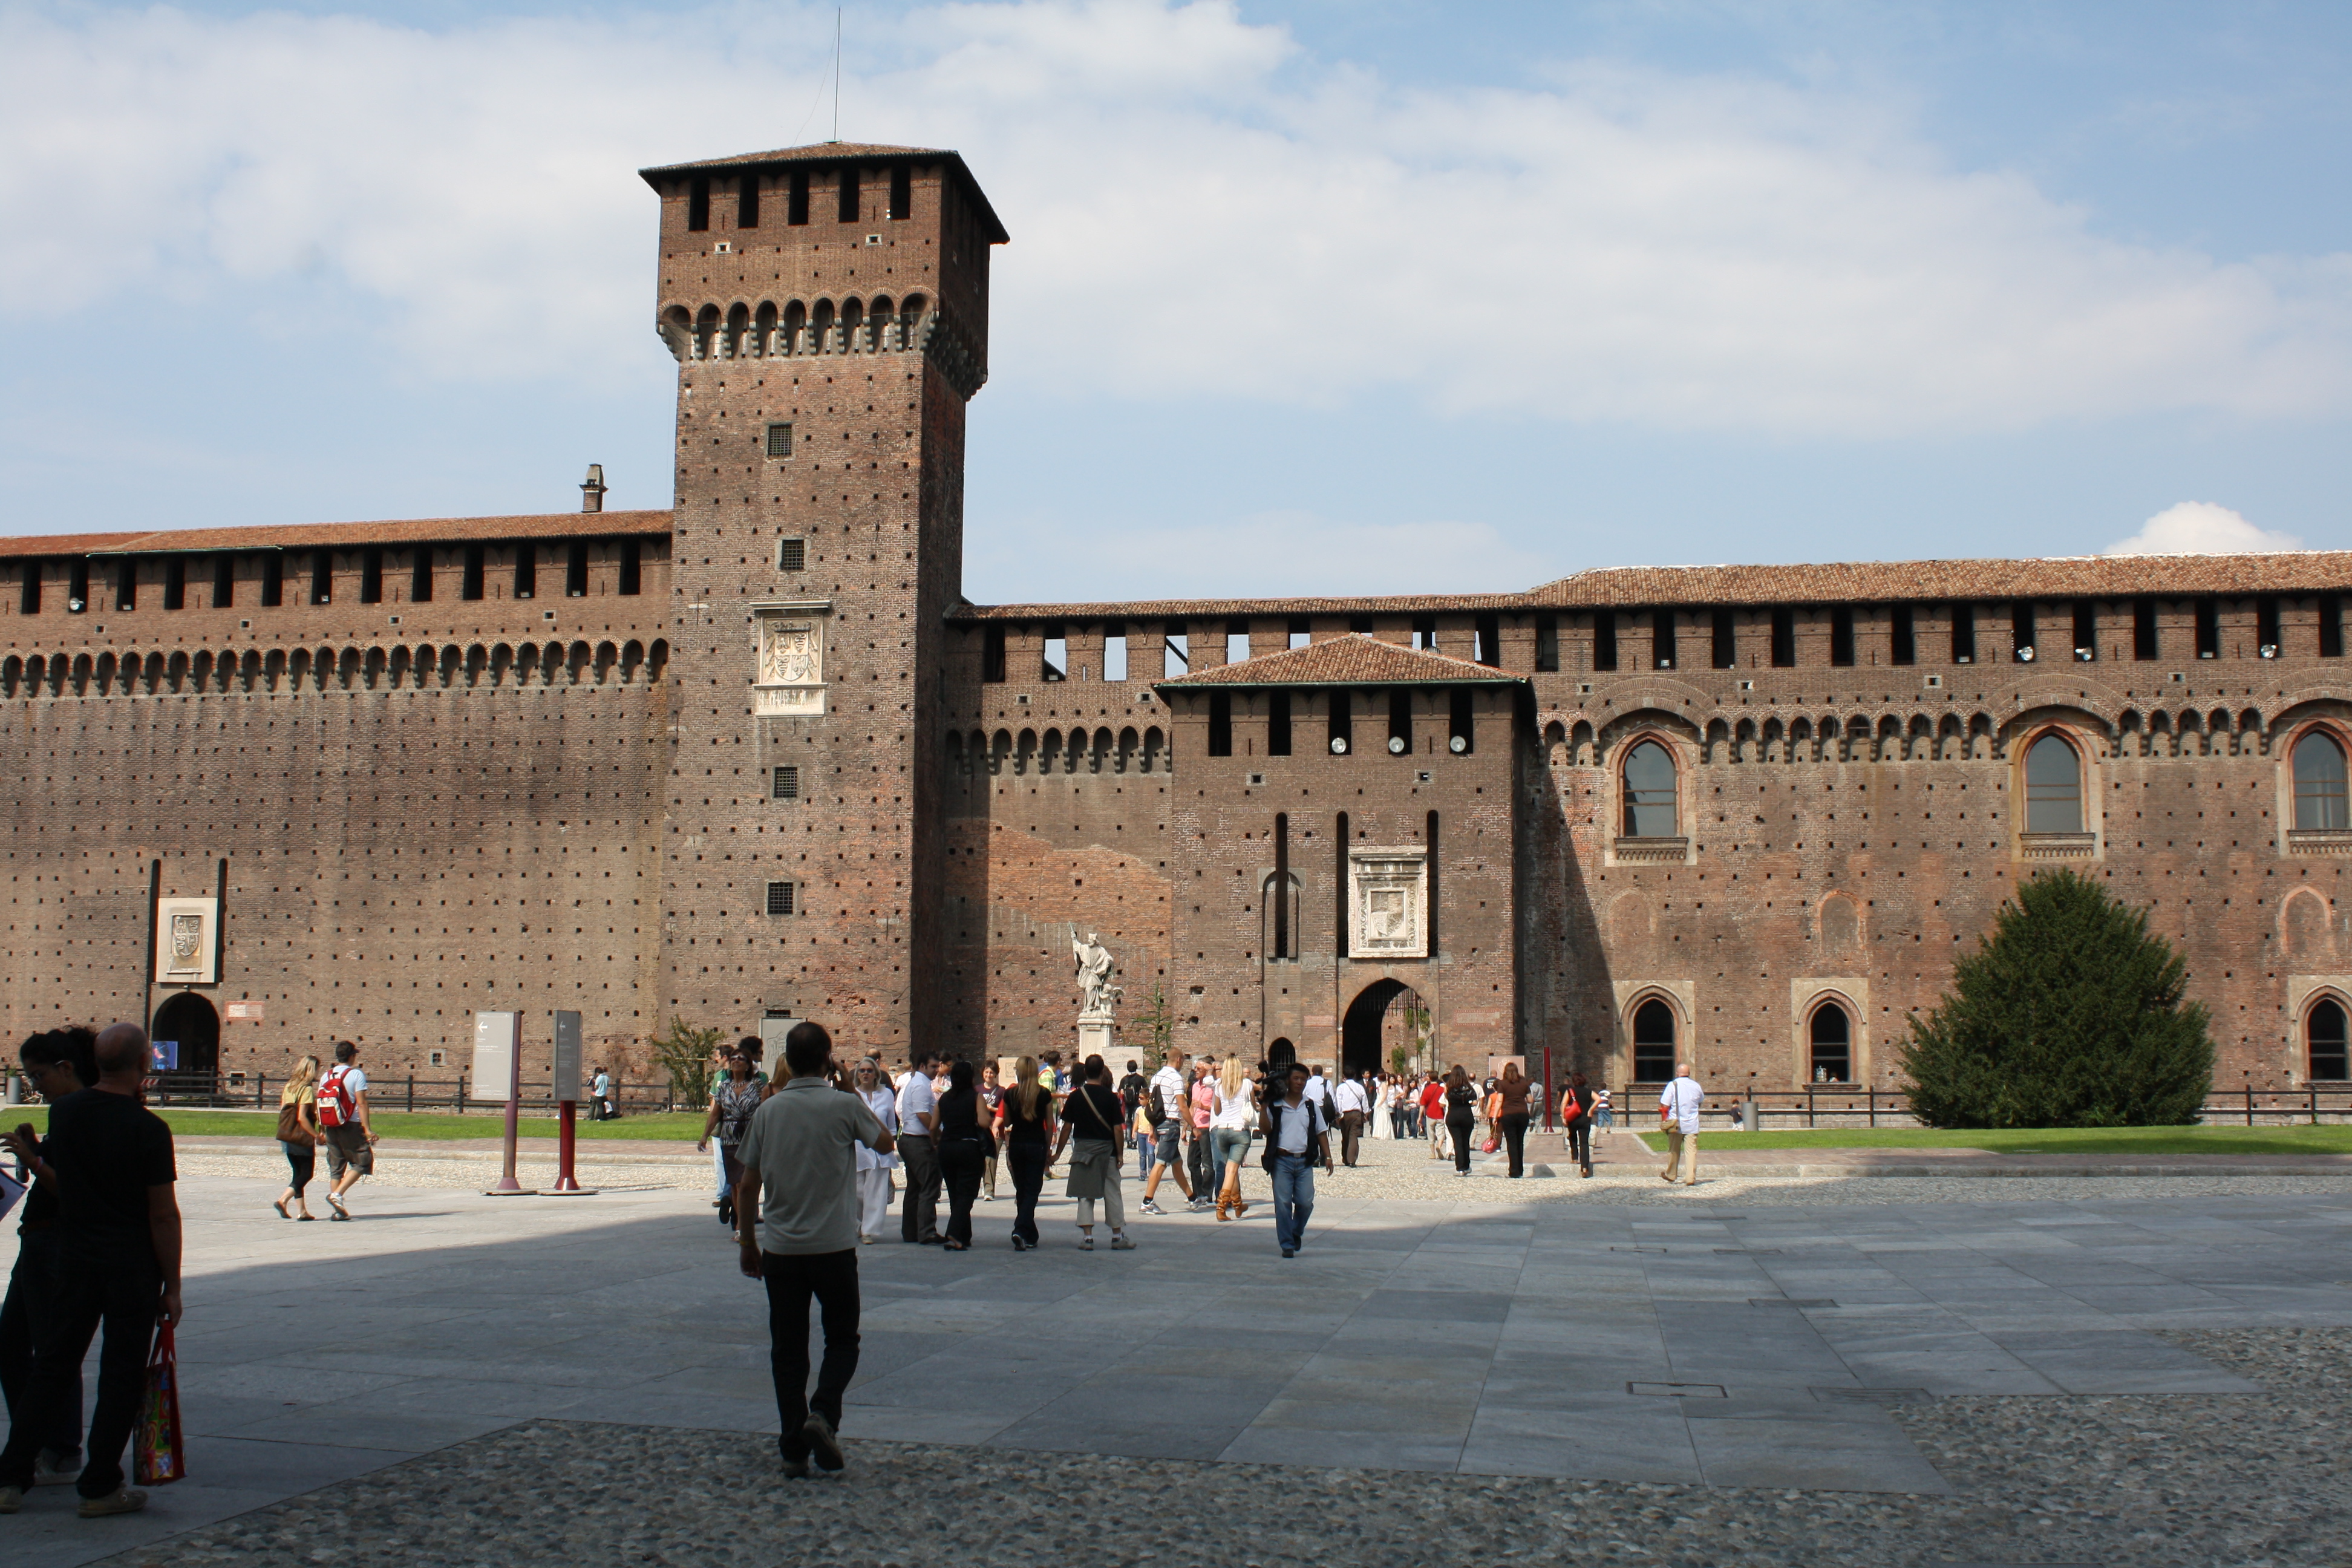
(874,1170)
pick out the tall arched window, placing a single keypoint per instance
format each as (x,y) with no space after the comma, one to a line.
(2054,787)
(1833,1034)
(2324,1037)
(2319,783)
(1653,1042)
(1650,792)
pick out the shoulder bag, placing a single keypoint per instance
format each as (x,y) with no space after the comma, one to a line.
(291,1128)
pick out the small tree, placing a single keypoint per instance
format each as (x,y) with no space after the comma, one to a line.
(2069,1015)
(684,1053)
(1156,1022)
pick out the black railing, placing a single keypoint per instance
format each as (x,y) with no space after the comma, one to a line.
(2303,1104)
(260,1091)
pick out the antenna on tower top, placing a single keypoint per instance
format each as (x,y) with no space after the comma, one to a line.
(837,73)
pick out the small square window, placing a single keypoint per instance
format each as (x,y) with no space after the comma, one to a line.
(780,440)
(791,554)
(788,784)
(436,1058)
(780,897)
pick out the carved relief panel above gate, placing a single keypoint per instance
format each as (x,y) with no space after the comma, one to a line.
(788,654)
(1388,903)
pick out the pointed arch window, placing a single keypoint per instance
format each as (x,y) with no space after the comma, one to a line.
(2054,787)
(1649,790)
(1832,1035)
(2324,1036)
(1653,1042)
(2319,784)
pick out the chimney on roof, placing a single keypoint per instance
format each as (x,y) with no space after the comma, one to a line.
(592,492)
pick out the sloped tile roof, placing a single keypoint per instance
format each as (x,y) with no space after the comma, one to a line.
(1351,660)
(2060,578)
(347,536)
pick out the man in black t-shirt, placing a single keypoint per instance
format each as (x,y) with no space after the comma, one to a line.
(119,1226)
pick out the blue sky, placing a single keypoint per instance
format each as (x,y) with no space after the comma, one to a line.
(1335,297)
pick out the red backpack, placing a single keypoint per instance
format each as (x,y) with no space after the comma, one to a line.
(337,1105)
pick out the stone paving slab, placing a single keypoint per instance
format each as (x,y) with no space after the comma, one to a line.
(1455,1337)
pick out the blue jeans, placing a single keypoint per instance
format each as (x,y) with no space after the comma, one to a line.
(1603,1119)
(1293,1199)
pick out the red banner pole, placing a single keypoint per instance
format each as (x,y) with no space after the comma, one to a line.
(565,1181)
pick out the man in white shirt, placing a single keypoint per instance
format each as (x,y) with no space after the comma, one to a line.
(1350,1108)
(1166,1097)
(918,1211)
(1318,1089)
(1678,1108)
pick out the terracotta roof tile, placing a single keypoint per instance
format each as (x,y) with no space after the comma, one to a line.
(349,535)
(1351,660)
(2060,578)
(1883,582)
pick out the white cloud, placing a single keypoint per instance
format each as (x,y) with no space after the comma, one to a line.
(2201,528)
(1195,210)
(1277,552)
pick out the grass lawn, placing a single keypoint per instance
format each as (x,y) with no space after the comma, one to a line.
(674,1127)
(2326,1140)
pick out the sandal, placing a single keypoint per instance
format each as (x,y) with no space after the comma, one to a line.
(279,1205)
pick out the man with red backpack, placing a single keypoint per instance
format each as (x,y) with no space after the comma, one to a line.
(343,1116)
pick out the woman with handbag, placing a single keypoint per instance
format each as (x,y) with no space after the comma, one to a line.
(1090,1122)
(299,1135)
(1024,1124)
(1511,1101)
(966,1135)
(1489,1109)
(1461,1116)
(1229,1133)
(1576,1114)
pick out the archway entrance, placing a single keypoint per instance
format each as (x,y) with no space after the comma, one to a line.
(189,1019)
(1360,1032)
(1281,1054)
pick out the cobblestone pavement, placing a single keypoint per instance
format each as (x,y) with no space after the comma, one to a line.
(2115,1371)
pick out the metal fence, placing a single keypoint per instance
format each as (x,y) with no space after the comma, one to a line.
(1851,1105)
(260,1091)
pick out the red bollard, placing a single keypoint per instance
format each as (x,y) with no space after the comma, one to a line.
(567,1185)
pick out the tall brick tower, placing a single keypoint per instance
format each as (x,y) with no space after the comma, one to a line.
(828,306)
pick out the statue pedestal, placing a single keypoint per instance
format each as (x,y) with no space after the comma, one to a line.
(1095,1032)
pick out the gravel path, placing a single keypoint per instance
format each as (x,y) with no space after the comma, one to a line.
(2175,1481)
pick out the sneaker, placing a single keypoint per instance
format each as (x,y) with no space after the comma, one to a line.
(1119,1242)
(1151,1207)
(122,1500)
(1085,1244)
(824,1446)
(1020,1244)
(1290,1252)
(53,1469)
(335,1202)
(796,1470)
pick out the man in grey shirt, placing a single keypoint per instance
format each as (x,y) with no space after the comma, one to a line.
(801,1151)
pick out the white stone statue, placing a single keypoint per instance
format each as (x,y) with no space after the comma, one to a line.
(1093,974)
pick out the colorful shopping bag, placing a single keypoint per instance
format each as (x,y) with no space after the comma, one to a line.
(156,1456)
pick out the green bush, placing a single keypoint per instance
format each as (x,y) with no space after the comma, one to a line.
(2069,1015)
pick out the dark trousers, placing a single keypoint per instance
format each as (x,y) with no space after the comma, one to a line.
(25,1320)
(1028,1163)
(832,1278)
(1351,1135)
(1515,1139)
(301,1164)
(1202,1166)
(113,1283)
(1579,1141)
(1462,1129)
(961,1162)
(918,1214)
